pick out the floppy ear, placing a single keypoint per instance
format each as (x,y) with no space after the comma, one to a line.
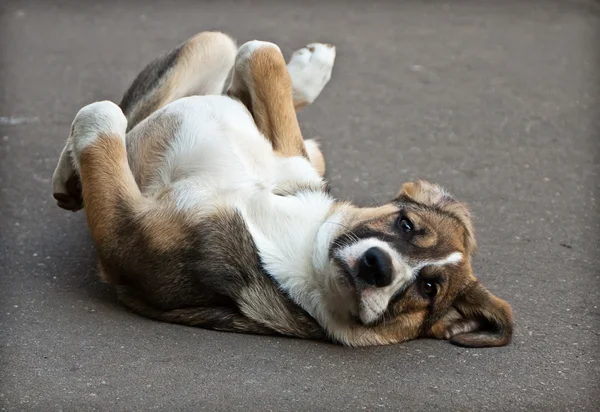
(427,193)
(485,320)
(431,194)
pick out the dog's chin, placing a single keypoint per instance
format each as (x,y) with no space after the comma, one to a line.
(369,318)
(373,323)
(360,314)
(347,291)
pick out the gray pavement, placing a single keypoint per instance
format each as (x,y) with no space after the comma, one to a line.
(497,100)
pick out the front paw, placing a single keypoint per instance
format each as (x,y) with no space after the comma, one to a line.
(310,69)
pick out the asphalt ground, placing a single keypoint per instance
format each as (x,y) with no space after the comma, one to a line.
(496,100)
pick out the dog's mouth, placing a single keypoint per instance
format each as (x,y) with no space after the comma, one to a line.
(347,282)
(347,278)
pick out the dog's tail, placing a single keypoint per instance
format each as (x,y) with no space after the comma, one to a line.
(198,66)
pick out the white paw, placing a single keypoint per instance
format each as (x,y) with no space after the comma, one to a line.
(310,69)
(94,120)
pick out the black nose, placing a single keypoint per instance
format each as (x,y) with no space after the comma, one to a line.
(375,267)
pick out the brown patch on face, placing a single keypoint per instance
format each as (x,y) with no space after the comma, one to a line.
(376,218)
(432,195)
(419,307)
(428,237)
(404,327)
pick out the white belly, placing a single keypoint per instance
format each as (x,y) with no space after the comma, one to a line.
(217,158)
(217,149)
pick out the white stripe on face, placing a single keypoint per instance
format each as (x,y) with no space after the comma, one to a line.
(452,259)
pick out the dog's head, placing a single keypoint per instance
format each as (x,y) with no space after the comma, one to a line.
(407,268)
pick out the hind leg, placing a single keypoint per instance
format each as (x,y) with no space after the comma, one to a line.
(198,66)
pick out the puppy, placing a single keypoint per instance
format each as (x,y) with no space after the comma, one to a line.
(209,209)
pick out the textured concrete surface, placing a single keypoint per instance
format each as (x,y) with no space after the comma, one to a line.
(498,101)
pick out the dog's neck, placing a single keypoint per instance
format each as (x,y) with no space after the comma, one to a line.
(336,223)
(294,238)
(336,297)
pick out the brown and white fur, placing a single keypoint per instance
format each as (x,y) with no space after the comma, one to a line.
(210,210)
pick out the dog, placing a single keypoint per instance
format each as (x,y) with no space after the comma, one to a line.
(208,208)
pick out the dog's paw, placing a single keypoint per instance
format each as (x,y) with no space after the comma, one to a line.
(93,121)
(310,69)
(247,49)
(66,188)
(241,69)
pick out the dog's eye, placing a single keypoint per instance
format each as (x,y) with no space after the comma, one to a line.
(404,224)
(429,288)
